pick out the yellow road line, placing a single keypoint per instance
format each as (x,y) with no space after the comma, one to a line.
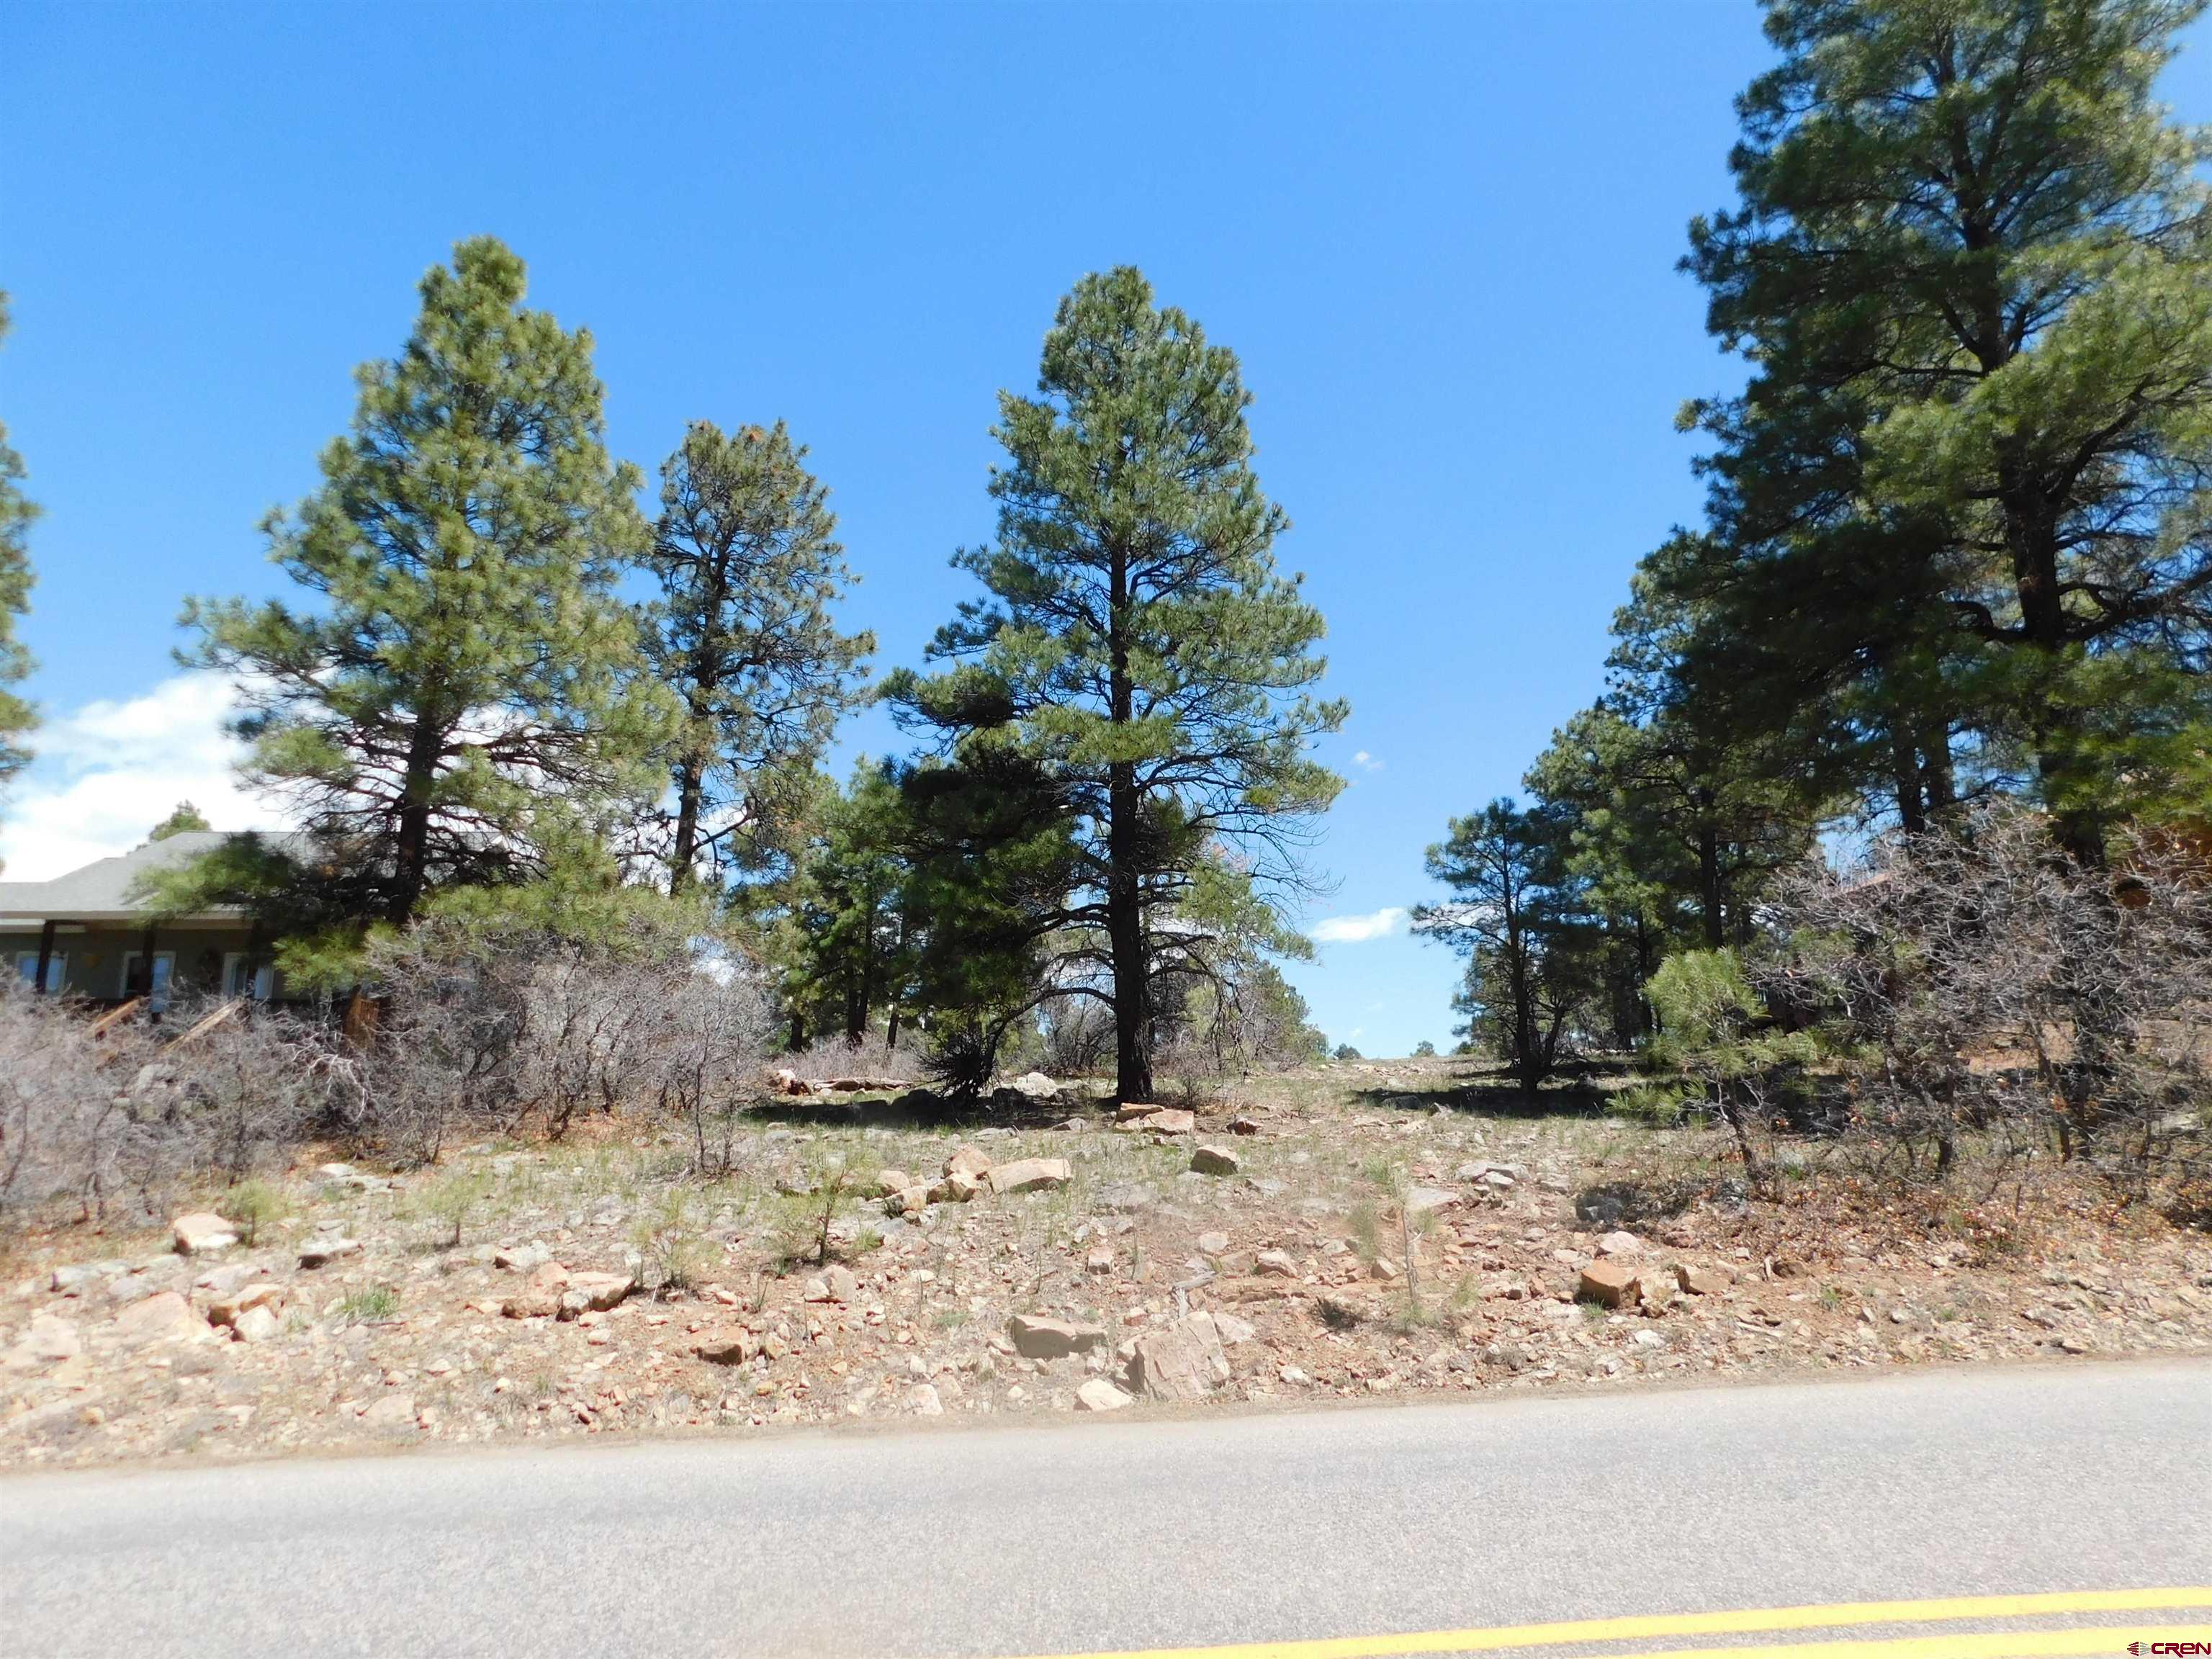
(1746,1621)
(1988,1644)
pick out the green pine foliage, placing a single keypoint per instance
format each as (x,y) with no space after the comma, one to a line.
(1137,646)
(17,511)
(750,568)
(1971,267)
(459,703)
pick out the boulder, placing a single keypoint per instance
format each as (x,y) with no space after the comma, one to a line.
(1213,1243)
(1099,1260)
(164,1317)
(923,1401)
(1038,1336)
(907,1201)
(1702,1281)
(731,1345)
(1611,1282)
(1228,1327)
(1213,1160)
(1171,1121)
(888,1181)
(1619,1243)
(1422,1200)
(1275,1264)
(966,1160)
(1133,1111)
(1029,1175)
(322,1252)
(522,1258)
(256,1324)
(1100,1395)
(1184,1361)
(227,1309)
(1036,1085)
(392,1414)
(957,1188)
(49,1339)
(595,1293)
(201,1231)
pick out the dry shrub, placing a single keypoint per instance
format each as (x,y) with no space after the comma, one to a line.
(1981,986)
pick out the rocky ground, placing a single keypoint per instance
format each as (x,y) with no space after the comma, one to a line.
(1349,1231)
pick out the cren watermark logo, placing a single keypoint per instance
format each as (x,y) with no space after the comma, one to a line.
(2170,1647)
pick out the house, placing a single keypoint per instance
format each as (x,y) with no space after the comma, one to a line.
(90,935)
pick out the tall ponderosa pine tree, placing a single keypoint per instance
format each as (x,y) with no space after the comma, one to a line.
(1967,223)
(461,705)
(750,568)
(17,512)
(1137,642)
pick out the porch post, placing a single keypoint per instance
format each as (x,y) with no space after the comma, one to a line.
(45,955)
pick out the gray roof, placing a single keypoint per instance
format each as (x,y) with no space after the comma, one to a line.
(102,892)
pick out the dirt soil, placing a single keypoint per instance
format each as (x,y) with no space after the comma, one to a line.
(1393,1229)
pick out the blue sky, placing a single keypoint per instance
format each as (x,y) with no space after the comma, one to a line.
(1441,239)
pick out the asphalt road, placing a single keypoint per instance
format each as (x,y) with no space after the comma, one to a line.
(1114,1533)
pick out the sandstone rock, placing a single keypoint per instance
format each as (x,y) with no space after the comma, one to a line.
(595,1293)
(1212,1160)
(907,1201)
(1172,1120)
(49,1339)
(1422,1200)
(1619,1243)
(1100,1395)
(1036,1085)
(957,1188)
(729,1345)
(322,1252)
(522,1258)
(966,1160)
(225,1281)
(1100,1261)
(1029,1175)
(1037,1336)
(1182,1362)
(1276,1264)
(1213,1243)
(923,1401)
(1702,1281)
(889,1182)
(164,1317)
(200,1233)
(256,1324)
(393,1413)
(264,1293)
(1228,1326)
(1132,1111)
(1610,1282)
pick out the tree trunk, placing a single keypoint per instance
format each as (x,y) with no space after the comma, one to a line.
(689,788)
(410,855)
(1905,773)
(1125,907)
(1711,902)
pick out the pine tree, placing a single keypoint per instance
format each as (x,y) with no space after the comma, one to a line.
(1968,223)
(184,819)
(1137,642)
(459,706)
(17,717)
(1520,918)
(746,553)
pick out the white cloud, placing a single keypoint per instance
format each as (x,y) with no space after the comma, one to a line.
(1366,762)
(108,772)
(1354,930)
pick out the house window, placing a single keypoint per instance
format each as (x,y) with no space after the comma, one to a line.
(243,976)
(26,968)
(135,983)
